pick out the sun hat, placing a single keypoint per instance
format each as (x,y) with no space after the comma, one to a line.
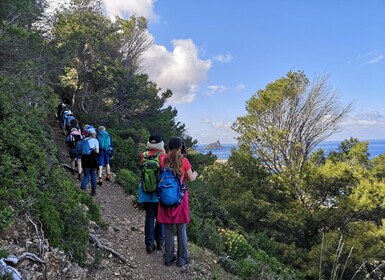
(155,142)
(91,130)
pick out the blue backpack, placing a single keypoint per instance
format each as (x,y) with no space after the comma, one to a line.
(104,140)
(83,147)
(170,189)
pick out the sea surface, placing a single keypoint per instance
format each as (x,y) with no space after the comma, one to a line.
(375,148)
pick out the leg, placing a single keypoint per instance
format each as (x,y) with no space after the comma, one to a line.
(149,225)
(93,181)
(79,160)
(108,170)
(73,164)
(100,163)
(168,255)
(86,178)
(107,165)
(182,245)
(159,232)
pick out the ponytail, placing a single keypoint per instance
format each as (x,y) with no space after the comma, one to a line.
(174,161)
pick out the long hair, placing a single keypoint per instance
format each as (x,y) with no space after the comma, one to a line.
(174,161)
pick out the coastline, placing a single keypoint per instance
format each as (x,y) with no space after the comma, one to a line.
(376,147)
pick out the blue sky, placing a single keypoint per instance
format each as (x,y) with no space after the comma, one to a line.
(215,54)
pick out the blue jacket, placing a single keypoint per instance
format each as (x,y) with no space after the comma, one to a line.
(146,197)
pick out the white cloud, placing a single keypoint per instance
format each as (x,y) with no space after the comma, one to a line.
(126,8)
(240,87)
(181,70)
(215,89)
(224,58)
(218,124)
(376,59)
(370,57)
(362,125)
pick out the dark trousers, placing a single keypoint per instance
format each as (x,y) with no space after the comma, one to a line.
(152,229)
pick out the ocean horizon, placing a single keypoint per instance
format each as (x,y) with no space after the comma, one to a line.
(376,147)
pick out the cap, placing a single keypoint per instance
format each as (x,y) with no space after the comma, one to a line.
(175,143)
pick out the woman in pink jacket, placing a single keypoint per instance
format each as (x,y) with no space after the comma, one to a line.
(176,215)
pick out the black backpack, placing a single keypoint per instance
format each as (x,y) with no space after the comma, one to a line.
(71,140)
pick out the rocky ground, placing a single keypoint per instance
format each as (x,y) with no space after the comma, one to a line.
(123,256)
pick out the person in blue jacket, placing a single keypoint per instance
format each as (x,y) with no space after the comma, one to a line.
(154,232)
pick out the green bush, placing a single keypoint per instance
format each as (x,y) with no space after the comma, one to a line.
(128,180)
(32,180)
(6,214)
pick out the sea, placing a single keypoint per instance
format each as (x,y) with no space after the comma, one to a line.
(375,148)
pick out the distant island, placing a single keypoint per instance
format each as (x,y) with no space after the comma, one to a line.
(214,146)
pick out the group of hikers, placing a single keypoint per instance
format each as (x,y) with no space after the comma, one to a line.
(162,190)
(90,149)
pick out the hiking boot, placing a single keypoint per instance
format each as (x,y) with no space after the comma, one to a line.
(159,246)
(150,248)
(107,177)
(93,192)
(170,262)
(100,181)
(79,177)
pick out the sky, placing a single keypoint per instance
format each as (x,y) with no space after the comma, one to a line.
(215,55)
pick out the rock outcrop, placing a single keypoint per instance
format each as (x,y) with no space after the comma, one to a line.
(214,146)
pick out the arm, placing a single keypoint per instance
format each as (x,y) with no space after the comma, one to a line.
(191,176)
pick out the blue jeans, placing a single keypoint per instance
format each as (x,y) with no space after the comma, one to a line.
(152,232)
(89,172)
(182,253)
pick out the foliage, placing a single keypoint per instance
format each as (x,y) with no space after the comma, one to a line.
(6,214)
(287,119)
(128,180)
(33,183)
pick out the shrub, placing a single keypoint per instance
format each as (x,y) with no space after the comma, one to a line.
(128,180)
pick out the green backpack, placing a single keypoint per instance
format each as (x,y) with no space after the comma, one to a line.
(150,172)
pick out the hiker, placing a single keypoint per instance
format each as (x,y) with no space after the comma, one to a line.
(72,124)
(176,215)
(65,111)
(105,148)
(76,157)
(85,128)
(90,161)
(60,108)
(67,121)
(148,197)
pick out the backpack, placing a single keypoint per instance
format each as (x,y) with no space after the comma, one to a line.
(170,188)
(72,140)
(104,140)
(83,147)
(150,172)
(68,118)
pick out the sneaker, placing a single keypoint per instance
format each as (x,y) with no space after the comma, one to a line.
(170,262)
(100,181)
(108,177)
(150,248)
(186,262)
